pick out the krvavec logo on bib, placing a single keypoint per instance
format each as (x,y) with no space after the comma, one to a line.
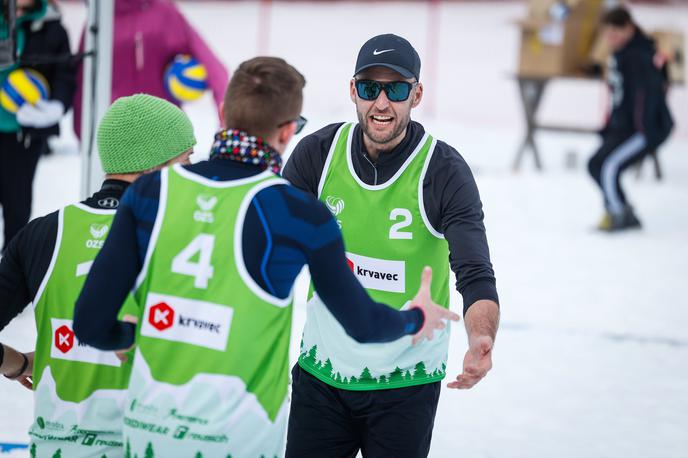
(98,233)
(206,203)
(186,320)
(66,346)
(379,274)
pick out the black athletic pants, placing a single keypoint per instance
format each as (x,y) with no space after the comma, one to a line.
(617,153)
(18,159)
(327,422)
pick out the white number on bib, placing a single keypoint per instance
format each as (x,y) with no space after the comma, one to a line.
(406,217)
(84,268)
(201,270)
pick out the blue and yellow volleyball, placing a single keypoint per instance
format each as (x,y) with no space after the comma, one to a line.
(186,79)
(22,85)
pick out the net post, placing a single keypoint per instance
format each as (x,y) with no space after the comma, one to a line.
(97,89)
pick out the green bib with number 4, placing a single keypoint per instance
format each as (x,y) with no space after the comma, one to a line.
(211,368)
(388,240)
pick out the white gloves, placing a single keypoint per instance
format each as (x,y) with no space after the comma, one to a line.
(44,114)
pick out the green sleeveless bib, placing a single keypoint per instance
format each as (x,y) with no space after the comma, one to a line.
(388,241)
(79,390)
(210,374)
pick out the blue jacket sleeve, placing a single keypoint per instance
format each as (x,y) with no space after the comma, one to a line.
(112,277)
(363,319)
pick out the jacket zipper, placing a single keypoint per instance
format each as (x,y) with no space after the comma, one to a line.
(374,168)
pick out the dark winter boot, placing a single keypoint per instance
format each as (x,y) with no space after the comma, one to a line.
(618,222)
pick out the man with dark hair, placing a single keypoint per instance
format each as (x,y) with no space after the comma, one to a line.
(403,200)
(639,120)
(212,251)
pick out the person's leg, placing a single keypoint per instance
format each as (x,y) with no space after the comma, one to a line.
(320,425)
(4,145)
(609,143)
(629,162)
(595,163)
(625,154)
(399,421)
(20,157)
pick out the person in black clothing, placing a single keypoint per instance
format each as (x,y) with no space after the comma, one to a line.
(330,419)
(23,138)
(639,120)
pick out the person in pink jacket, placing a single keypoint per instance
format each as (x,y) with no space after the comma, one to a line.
(148,34)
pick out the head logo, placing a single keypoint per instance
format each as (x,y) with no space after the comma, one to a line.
(351,264)
(335,204)
(161,316)
(108,202)
(206,202)
(98,231)
(64,339)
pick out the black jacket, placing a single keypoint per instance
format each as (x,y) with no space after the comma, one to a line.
(638,92)
(450,194)
(47,51)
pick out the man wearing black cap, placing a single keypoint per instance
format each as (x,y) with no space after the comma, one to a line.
(403,200)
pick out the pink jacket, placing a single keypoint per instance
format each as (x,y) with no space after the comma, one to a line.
(148,34)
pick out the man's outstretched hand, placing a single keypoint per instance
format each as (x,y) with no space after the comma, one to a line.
(482,321)
(476,363)
(434,314)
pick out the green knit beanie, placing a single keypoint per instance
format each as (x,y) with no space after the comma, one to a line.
(141,132)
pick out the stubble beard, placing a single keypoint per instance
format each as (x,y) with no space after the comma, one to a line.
(376,137)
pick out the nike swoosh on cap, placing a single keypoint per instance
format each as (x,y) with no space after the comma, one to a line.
(377,53)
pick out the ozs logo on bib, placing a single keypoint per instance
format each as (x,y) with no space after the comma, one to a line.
(66,346)
(98,233)
(185,320)
(379,274)
(205,203)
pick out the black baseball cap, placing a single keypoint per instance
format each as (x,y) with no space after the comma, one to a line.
(391,51)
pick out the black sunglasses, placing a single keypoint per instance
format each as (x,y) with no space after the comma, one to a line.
(300,123)
(396,91)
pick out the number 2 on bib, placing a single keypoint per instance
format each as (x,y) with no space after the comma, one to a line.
(201,270)
(406,217)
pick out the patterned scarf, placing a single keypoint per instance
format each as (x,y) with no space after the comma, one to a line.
(237,145)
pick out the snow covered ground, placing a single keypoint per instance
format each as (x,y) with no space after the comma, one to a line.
(592,354)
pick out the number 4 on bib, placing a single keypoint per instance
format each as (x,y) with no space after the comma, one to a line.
(201,270)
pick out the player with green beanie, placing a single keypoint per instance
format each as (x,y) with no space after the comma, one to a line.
(141,132)
(79,390)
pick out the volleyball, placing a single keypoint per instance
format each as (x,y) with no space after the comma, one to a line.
(22,86)
(185,79)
